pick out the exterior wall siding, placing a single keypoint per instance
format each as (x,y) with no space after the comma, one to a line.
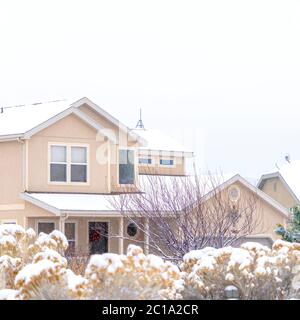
(278,191)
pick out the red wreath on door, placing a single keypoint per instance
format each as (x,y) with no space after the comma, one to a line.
(95,236)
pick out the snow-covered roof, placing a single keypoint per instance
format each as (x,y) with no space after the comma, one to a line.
(20,119)
(25,120)
(289,174)
(58,203)
(102,204)
(159,141)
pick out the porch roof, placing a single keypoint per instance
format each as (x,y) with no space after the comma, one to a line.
(73,203)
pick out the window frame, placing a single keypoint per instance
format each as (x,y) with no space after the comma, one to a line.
(152,164)
(109,230)
(135,162)
(137,230)
(167,165)
(76,233)
(69,163)
(8,221)
(44,221)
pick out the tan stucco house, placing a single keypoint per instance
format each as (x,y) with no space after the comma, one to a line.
(283,184)
(61,160)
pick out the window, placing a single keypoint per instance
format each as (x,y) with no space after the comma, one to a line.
(8,222)
(68,164)
(166,162)
(132,229)
(234,193)
(58,165)
(70,232)
(126,167)
(98,237)
(46,227)
(78,164)
(145,161)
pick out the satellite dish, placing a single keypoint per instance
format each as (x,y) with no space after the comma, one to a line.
(287,158)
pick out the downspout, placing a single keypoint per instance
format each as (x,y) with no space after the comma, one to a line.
(24,163)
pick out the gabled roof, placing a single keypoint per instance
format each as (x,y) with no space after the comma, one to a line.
(255,190)
(289,175)
(160,142)
(210,190)
(26,120)
(89,204)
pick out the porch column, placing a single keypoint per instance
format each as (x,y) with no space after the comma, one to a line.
(62,220)
(121,235)
(146,235)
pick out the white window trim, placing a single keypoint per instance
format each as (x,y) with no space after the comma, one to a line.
(152,164)
(108,233)
(68,163)
(7,221)
(138,231)
(76,231)
(136,165)
(45,221)
(167,165)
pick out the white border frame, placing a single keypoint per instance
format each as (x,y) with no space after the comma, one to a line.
(68,146)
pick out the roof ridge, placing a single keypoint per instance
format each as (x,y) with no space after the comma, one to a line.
(33,104)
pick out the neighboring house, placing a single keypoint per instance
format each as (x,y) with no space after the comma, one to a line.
(61,161)
(269,212)
(283,184)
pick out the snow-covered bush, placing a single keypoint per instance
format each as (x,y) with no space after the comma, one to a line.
(132,276)
(255,270)
(20,247)
(34,267)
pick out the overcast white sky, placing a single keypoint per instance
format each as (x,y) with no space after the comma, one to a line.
(225,72)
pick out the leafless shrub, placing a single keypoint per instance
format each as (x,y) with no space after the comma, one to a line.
(180,214)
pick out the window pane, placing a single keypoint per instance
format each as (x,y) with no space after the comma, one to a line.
(145,161)
(58,154)
(70,230)
(79,155)
(166,162)
(78,173)
(58,172)
(126,173)
(123,156)
(71,248)
(130,156)
(46,227)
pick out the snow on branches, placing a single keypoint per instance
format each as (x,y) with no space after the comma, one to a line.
(34,267)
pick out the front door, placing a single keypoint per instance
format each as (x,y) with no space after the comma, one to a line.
(98,237)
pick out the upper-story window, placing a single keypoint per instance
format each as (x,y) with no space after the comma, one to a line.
(68,163)
(78,164)
(58,165)
(126,167)
(167,162)
(145,161)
